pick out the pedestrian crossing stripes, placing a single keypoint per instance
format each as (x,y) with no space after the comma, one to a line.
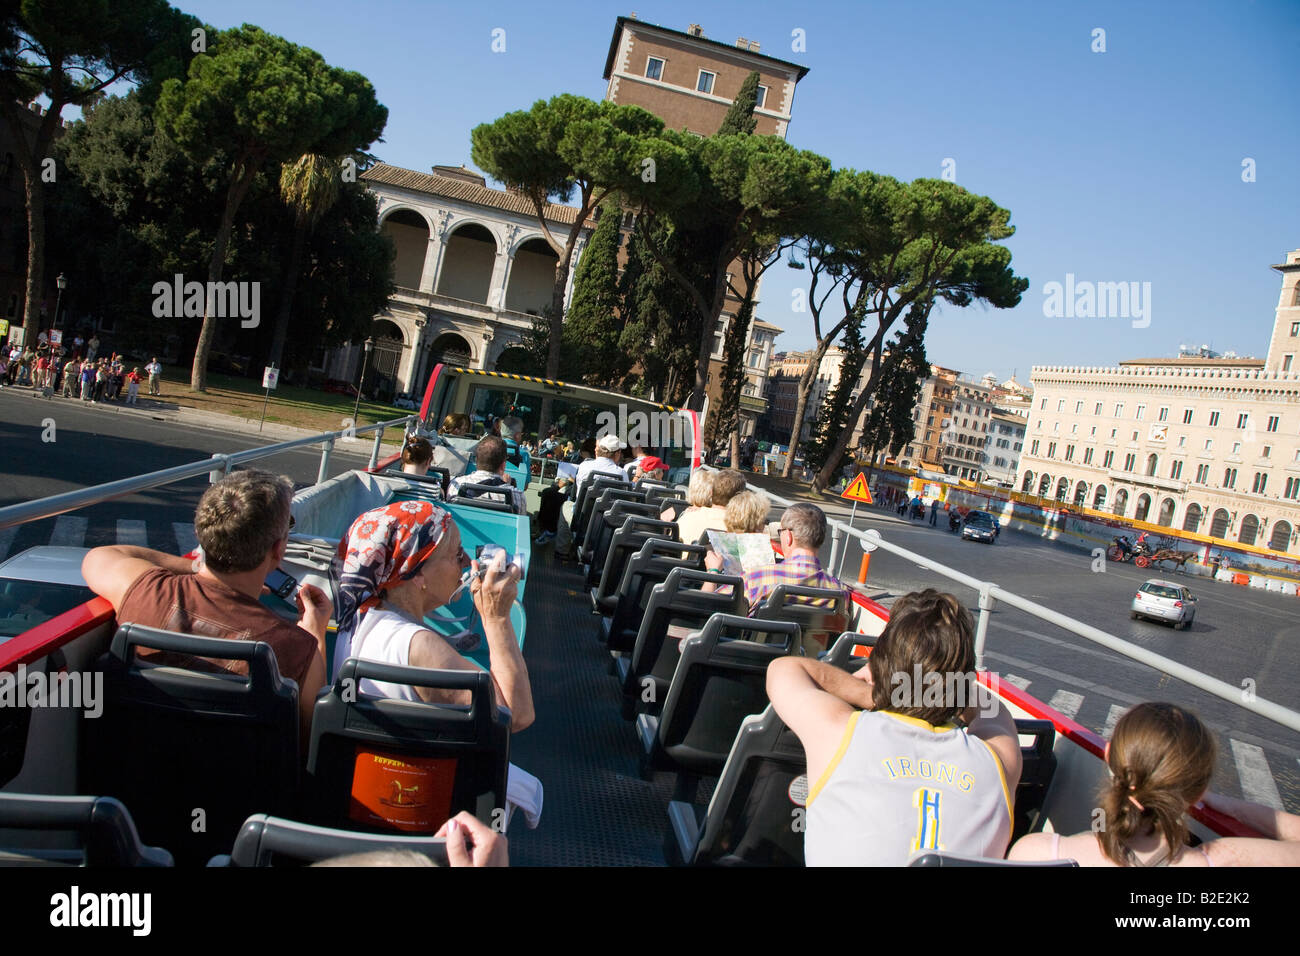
(1015,681)
(1066,702)
(1112,718)
(132,532)
(69,532)
(1256,779)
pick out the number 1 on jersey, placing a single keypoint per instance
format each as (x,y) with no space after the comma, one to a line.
(927,819)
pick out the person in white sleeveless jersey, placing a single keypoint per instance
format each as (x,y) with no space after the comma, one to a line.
(907,755)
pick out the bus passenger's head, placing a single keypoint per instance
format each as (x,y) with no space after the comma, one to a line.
(727,483)
(512,427)
(929,636)
(242,518)
(699,491)
(1161,759)
(417,454)
(457,423)
(490,454)
(747,512)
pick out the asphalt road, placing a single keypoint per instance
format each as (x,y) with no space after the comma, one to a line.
(1247,638)
(1238,635)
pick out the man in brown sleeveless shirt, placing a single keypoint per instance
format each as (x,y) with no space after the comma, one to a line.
(242,524)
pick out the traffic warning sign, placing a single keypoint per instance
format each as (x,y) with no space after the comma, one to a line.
(858,490)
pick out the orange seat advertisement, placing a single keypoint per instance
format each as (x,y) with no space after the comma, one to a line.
(401,792)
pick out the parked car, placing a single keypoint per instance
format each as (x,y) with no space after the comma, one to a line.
(980,526)
(38,584)
(1164,601)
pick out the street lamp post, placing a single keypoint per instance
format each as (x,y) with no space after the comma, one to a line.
(365,358)
(62,283)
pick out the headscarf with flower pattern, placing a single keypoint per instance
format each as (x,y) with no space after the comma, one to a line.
(384,546)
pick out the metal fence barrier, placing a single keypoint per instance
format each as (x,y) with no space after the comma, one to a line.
(990,593)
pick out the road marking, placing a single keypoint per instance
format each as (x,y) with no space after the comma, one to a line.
(69,532)
(1016,681)
(1112,718)
(1256,779)
(1066,702)
(132,532)
(7,541)
(185,537)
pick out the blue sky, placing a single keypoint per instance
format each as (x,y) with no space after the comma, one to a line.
(1117,166)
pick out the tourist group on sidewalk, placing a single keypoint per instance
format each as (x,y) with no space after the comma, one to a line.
(92,379)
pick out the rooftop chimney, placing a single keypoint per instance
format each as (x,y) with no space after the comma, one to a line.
(695,30)
(753,46)
(742,43)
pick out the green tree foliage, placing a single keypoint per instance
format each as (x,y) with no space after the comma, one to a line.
(915,244)
(740,120)
(591,351)
(262,101)
(890,425)
(71,51)
(834,416)
(557,147)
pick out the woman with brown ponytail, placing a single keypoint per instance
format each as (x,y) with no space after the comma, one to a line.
(417,453)
(1161,758)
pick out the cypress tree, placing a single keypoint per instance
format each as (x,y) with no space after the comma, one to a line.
(740,116)
(591,351)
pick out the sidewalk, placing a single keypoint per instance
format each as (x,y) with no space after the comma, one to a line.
(159,409)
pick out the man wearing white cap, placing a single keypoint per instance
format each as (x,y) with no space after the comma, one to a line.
(606,462)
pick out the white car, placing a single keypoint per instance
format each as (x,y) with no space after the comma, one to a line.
(38,584)
(1165,601)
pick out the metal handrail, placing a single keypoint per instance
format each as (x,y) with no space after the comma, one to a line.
(990,593)
(216,467)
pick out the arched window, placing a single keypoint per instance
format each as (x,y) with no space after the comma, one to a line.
(1281,538)
(1080,494)
(1121,501)
(1152,462)
(1044,486)
(1166,518)
(1219,524)
(1099,498)
(1249,529)
(1192,520)
(1062,489)
(1143,507)
(1027,486)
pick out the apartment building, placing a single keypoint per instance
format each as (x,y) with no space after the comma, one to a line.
(1201,443)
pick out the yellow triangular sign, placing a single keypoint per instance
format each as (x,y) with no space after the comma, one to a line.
(858,490)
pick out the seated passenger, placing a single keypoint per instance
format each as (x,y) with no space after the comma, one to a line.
(551,513)
(890,766)
(746,512)
(692,524)
(606,461)
(801,535)
(648,467)
(445,455)
(517,453)
(417,454)
(699,494)
(396,565)
(1161,758)
(490,453)
(242,523)
(632,461)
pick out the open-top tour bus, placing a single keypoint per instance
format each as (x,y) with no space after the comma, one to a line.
(624,659)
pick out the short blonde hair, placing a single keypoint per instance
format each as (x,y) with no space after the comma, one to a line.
(699,491)
(747,512)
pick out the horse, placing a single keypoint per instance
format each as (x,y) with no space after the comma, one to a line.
(1166,554)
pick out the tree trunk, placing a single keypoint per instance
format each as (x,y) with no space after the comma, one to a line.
(35,250)
(216,265)
(801,402)
(823,477)
(287,290)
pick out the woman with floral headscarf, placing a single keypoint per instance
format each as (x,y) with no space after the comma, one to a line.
(397,564)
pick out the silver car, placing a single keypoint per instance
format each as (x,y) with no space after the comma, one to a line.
(1165,601)
(38,584)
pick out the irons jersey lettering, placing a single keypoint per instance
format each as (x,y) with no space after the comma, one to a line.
(897,785)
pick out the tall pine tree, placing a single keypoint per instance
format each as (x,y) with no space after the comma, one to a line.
(591,351)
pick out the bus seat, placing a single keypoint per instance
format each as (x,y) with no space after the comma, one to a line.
(675,505)
(750,819)
(107,831)
(1038,767)
(144,749)
(610,521)
(648,567)
(720,679)
(841,652)
(386,765)
(678,604)
(480,525)
(437,481)
(588,493)
(596,521)
(480,499)
(626,541)
(820,623)
(270,841)
(930,858)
